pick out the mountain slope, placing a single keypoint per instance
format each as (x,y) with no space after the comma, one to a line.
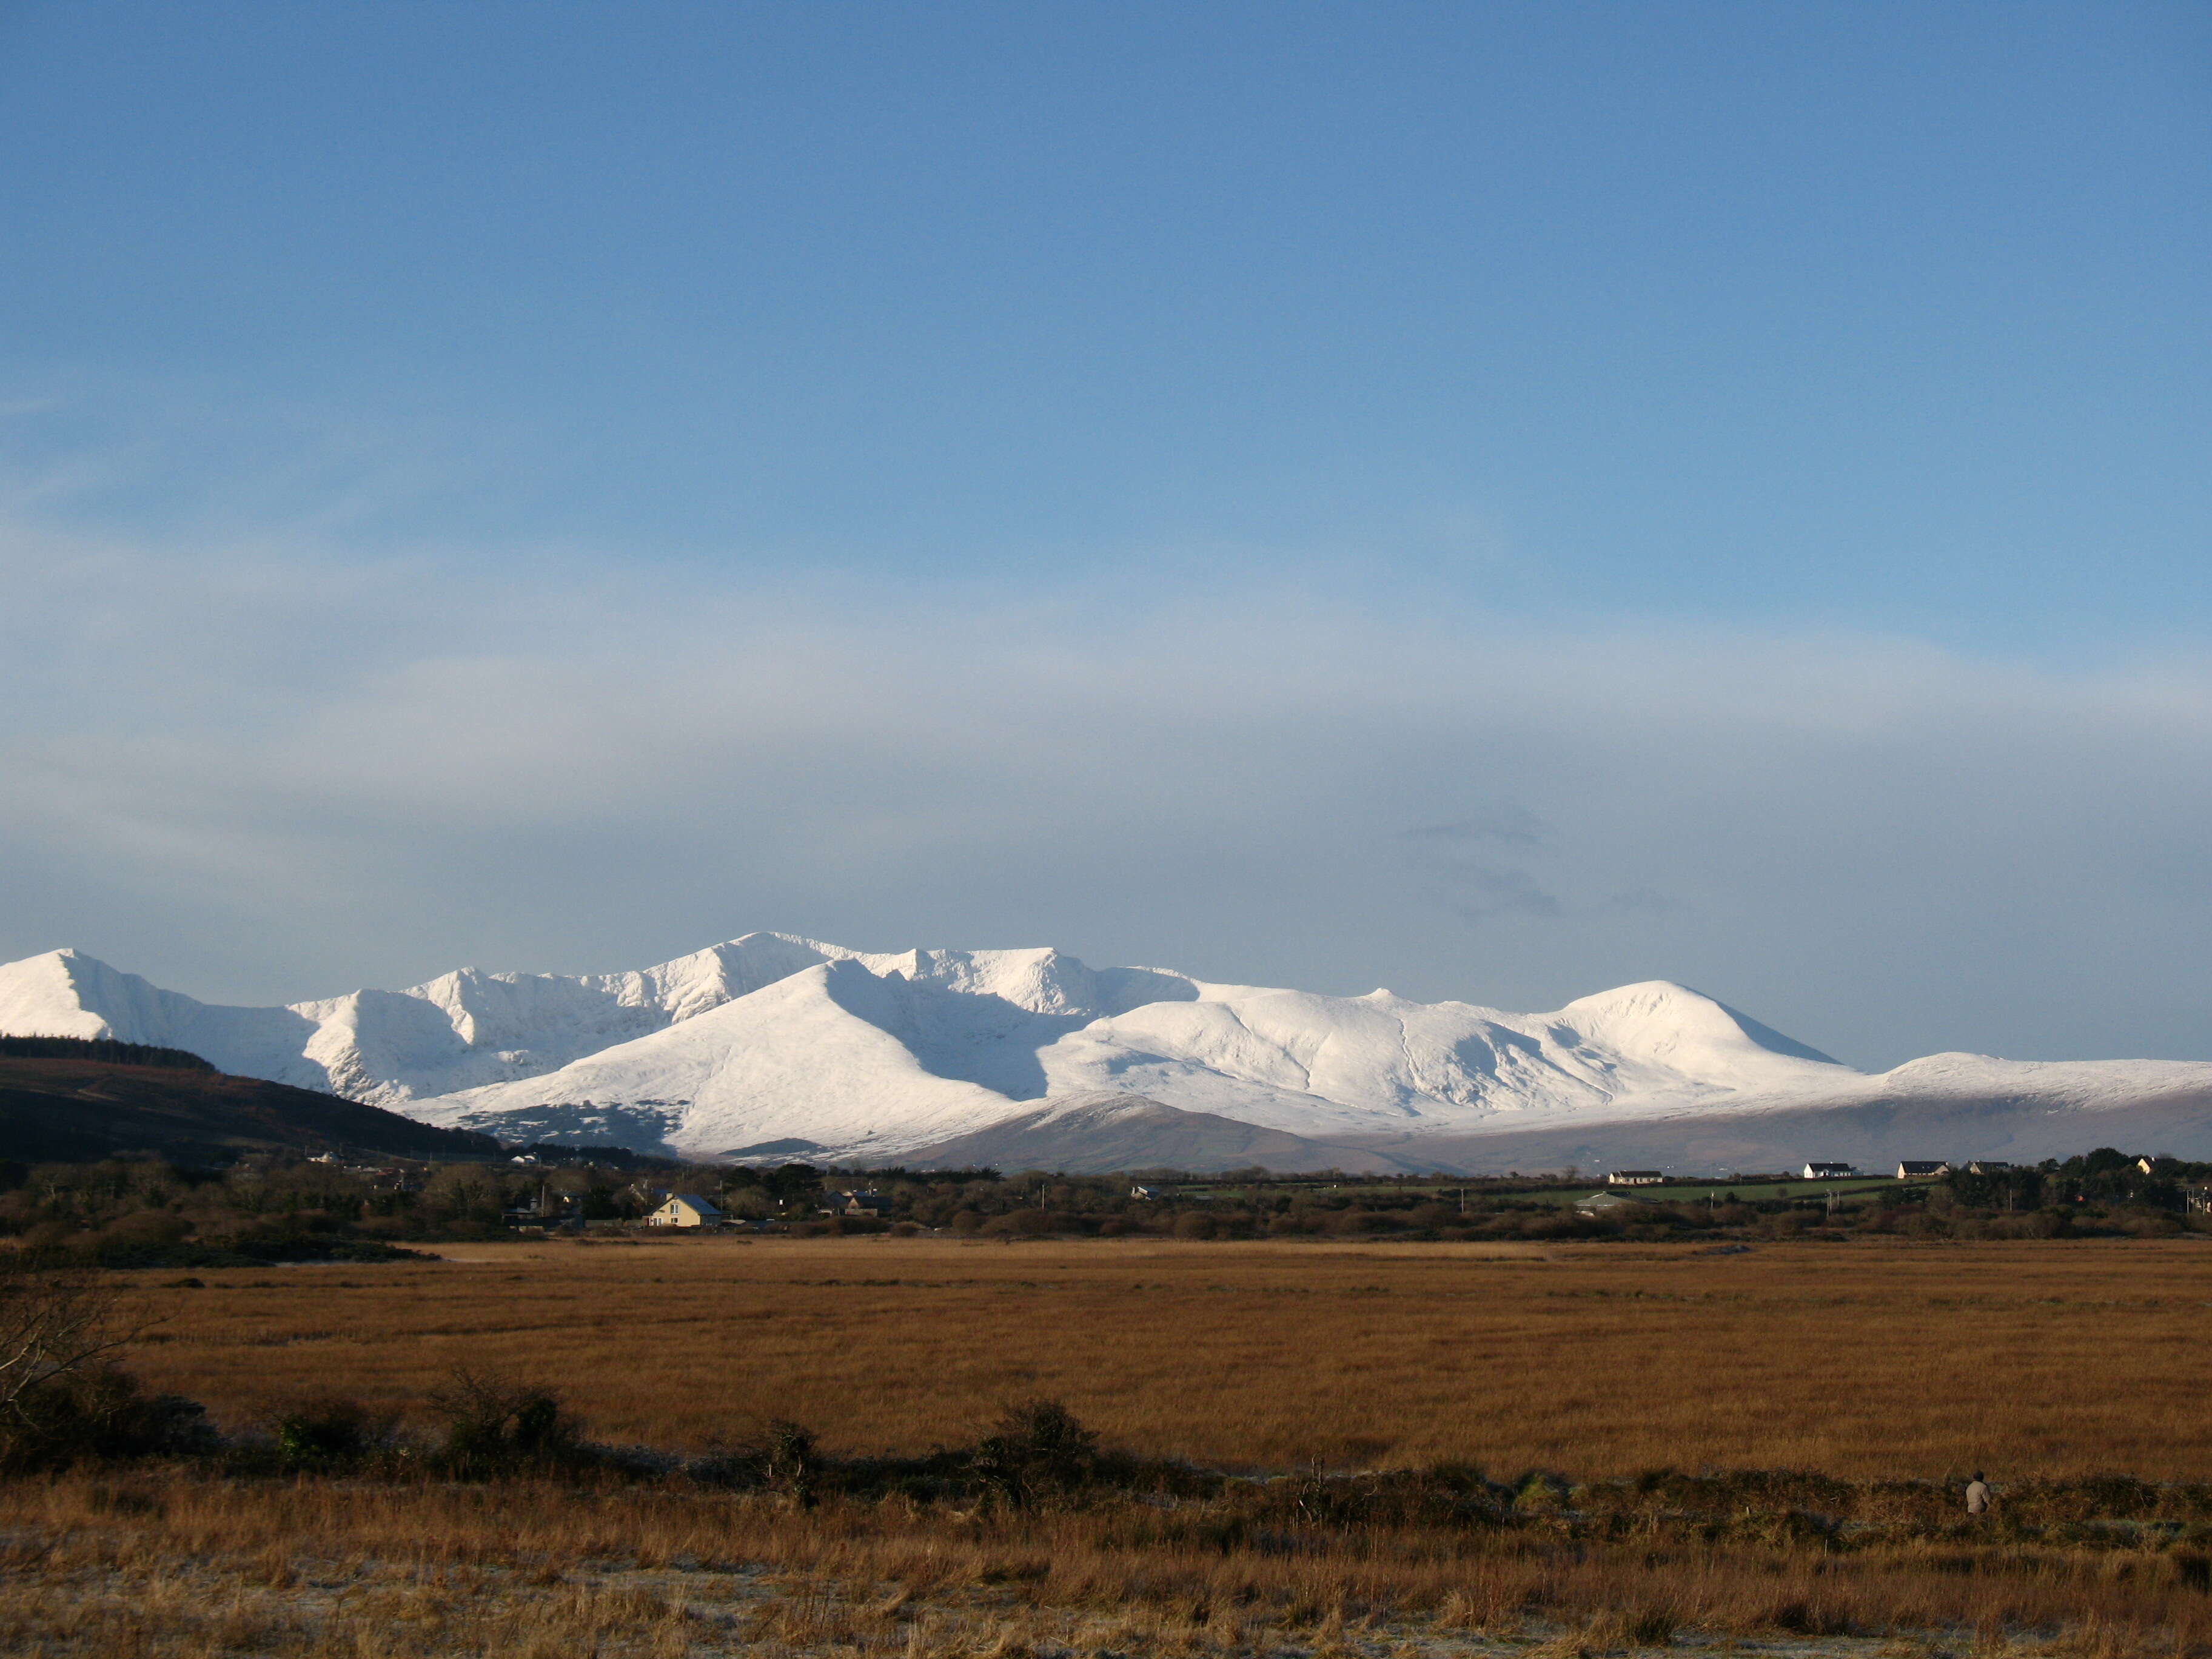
(462,1030)
(771,1045)
(812,1057)
(1089,1135)
(1379,1063)
(66,1110)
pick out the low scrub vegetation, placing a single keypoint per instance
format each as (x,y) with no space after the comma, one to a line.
(143,1213)
(1031,1532)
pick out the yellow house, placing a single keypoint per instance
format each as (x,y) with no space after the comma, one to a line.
(686,1210)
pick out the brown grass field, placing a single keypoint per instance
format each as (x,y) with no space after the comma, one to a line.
(1866,1359)
(146,1567)
(1873,1359)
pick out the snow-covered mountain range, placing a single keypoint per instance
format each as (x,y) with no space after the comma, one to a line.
(773,1046)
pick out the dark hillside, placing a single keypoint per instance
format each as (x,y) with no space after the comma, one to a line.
(122,1054)
(57,1110)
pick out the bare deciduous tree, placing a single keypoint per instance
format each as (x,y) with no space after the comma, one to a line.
(54,1325)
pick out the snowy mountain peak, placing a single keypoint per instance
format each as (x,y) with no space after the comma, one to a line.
(56,994)
(771,1044)
(1659,1018)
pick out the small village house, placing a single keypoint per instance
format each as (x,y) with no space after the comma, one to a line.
(861,1204)
(1913,1168)
(687,1210)
(1634,1178)
(1987,1166)
(1829,1171)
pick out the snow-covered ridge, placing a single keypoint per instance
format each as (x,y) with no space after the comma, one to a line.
(772,1043)
(462,1030)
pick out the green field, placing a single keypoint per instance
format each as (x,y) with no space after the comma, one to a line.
(1671,1192)
(1749,1192)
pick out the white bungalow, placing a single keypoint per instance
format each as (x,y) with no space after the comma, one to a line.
(686,1210)
(1913,1168)
(1827,1171)
(1635,1178)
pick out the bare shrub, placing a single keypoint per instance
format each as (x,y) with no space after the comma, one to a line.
(63,1399)
(792,1459)
(330,1431)
(1039,1449)
(53,1325)
(496,1424)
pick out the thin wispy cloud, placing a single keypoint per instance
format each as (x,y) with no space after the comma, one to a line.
(281,769)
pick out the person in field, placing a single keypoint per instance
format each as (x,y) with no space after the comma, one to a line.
(1978,1495)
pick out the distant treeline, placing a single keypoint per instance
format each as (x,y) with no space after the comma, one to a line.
(100,1048)
(142,1212)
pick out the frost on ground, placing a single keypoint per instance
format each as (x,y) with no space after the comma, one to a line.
(372,1609)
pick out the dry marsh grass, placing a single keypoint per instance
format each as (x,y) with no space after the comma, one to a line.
(1869,1360)
(155,1564)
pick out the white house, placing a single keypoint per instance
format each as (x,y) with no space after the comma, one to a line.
(686,1210)
(1913,1168)
(1827,1171)
(1634,1178)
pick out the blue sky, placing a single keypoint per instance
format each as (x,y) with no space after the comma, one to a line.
(963,442)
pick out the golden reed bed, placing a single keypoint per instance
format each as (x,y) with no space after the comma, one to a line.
(151,1566)
(1869,1358)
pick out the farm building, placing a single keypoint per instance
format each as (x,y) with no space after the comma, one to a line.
(1911,1168)
(1634,1178)
(861,1204)
(1828,1172)
(686,1210)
